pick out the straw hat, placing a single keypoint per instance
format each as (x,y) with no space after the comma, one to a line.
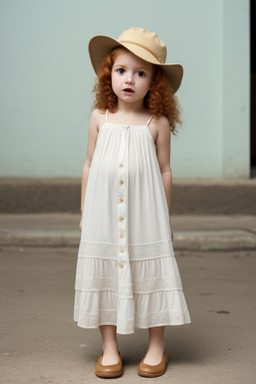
(140,42)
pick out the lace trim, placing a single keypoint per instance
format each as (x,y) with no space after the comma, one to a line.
(155,284)
(99,250)
(136,251)
(96,284)
(126,326)
(93,320)
(163,318)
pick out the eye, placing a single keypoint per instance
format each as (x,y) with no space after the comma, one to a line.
(120,70)
(141,74)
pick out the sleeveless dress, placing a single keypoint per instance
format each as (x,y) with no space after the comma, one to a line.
(126,272)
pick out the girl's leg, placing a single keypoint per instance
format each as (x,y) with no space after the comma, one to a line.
(110,345)
(155,346)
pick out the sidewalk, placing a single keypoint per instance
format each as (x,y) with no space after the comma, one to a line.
(191,232)
(40,342)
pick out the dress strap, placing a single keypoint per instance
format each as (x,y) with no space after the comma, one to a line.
(149,120)
(106,115)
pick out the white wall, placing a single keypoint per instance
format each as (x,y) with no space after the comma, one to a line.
(46,81)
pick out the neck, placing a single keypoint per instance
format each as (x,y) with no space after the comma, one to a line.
(135,107)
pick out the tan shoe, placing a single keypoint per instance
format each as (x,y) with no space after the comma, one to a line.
(113,370)
(153,370)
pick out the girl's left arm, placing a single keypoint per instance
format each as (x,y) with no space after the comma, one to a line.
(163,150)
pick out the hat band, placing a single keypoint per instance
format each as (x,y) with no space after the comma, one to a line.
(144,47)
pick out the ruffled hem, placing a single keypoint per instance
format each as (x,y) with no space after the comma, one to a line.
(148,275)
(162,308)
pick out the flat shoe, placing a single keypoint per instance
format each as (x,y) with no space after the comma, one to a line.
(147,370)
(113,370)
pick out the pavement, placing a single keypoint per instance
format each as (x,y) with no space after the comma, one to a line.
(216,255)
(41,343)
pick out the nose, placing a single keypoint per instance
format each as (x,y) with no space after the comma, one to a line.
(129,78)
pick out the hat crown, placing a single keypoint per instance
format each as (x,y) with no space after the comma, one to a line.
(145,39)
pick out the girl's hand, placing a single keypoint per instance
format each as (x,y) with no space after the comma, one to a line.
(172,236)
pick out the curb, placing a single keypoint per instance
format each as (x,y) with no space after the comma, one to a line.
(207,196)
(214,240)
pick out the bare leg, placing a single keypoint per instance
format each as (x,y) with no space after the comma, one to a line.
(155,346)
(110,345)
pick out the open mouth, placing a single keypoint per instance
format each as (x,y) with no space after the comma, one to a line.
(128,90)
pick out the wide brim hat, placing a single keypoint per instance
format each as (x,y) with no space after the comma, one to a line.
(142,43)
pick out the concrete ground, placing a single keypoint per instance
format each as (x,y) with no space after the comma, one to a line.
(215,245)
(40,342)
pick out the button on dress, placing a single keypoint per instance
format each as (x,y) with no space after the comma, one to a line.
(126,272)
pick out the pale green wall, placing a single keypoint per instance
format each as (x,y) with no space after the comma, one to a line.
(46,81)
(236,89)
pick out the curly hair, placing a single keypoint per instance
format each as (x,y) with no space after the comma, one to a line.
(159,100)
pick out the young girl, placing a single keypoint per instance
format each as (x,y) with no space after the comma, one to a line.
(126,274)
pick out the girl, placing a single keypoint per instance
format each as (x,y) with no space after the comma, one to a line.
(126,274)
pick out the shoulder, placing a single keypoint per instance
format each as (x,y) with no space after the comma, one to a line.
(97,114)
(97,118)
(161,122)
(161,126)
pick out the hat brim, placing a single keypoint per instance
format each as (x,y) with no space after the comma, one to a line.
(100,45)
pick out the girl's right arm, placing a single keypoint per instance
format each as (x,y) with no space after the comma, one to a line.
(92,138)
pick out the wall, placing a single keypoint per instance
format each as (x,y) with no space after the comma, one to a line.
(46,77)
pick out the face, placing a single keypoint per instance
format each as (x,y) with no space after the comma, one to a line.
(131,77)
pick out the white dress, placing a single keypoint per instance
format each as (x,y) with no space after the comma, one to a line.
(126,273)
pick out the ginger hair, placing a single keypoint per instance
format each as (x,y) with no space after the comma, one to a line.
(159,100)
